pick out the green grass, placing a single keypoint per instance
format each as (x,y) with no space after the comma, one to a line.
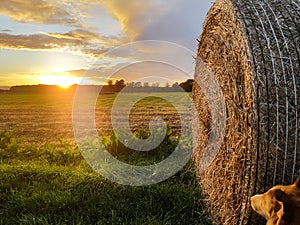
(116,148)
(52,184)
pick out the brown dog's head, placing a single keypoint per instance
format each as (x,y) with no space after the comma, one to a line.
(280,205)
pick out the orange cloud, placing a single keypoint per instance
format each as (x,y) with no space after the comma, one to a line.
(80,41)
(37,11)
(35,42)
(94,44)
(132,15)
(78,34)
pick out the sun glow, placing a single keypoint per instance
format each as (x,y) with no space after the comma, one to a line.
(62,81)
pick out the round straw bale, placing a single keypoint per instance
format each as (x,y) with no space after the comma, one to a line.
(252,48)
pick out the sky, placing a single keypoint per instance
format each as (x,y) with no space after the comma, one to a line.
(91,41)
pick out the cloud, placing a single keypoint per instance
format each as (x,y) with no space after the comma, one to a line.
(88,37)
(78,34)
(94,52)
(93,44)
(80,41)
(6,30)
(35,42)
(37,11)
(132,15)
(177,21)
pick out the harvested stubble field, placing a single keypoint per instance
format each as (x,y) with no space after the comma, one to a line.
(38,118)
(44,179)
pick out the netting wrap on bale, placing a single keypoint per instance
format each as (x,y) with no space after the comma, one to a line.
(253,49)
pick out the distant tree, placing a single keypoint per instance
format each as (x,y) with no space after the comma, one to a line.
(138,84)
(146,84)
(175,85)
(110,83)
(120,83)
(187,85)
(156,84)
(131,84)
(167,85)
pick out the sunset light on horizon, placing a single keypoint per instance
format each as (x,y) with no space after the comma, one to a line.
(62,81)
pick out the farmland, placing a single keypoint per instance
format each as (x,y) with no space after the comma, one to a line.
(45,180)
(38,118)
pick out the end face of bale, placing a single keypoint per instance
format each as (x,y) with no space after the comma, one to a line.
(252,48)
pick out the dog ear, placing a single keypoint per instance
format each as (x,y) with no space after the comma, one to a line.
(277,214)
(297,182)
(280,195)
(279,206)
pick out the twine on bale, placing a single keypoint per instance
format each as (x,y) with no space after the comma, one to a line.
(253,50)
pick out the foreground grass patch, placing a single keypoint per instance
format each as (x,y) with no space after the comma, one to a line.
(35,190)
(57,195)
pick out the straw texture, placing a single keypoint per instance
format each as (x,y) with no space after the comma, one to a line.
(252,48)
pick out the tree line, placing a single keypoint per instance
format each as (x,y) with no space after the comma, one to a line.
(111,87)
(118,85)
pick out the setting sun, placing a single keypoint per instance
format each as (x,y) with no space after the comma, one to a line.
(62,81)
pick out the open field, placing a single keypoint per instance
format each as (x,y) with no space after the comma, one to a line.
(48,117)
(44,179)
